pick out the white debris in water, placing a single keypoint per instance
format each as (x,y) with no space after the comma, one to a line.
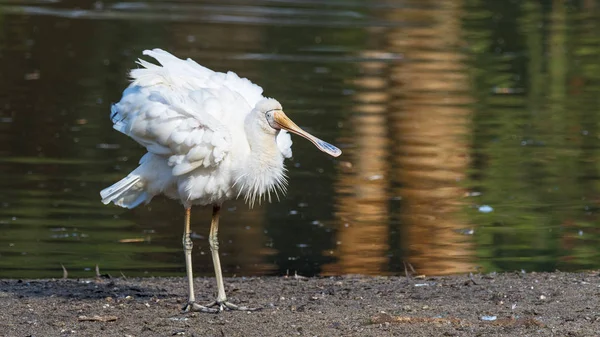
(467,231)
(485,209)
(488,318)
(108,146)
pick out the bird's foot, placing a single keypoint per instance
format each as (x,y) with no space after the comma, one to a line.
(220,306)
(192,306)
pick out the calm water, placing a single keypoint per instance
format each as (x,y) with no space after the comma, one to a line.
(470,131)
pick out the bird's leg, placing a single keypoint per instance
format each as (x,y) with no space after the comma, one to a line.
(187,250)
(213,240)
(221,301)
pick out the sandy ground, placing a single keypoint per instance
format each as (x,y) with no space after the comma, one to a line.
(511,304)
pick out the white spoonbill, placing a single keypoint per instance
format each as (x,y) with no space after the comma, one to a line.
(210,137)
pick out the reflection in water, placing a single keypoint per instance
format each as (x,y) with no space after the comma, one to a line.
(425,98)
(362,231)
(430,122)
(431,100)
(536,141)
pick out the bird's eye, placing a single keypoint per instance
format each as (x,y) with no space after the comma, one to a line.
(269,114)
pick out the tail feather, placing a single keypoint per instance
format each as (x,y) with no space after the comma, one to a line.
(126,192)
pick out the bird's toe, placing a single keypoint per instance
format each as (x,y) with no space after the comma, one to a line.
(216,307)
(192,306)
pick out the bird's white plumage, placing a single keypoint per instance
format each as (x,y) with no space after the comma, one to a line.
(202,132)
(210,137)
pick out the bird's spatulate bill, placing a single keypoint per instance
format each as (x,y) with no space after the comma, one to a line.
(285,123)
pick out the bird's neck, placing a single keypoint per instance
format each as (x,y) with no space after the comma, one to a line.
(263,148)
(263,171)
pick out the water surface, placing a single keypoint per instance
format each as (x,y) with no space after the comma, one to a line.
(470,132)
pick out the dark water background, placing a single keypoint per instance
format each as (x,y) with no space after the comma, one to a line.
(470,131)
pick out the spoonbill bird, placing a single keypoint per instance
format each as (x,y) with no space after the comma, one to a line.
(210,137)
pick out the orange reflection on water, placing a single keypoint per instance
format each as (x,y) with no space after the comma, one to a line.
(414,112)
(431,121)
(362,193)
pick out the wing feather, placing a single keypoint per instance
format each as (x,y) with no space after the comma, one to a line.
(185,112)
(180,110)
(171,124)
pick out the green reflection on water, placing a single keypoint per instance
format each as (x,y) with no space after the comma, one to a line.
(536,149)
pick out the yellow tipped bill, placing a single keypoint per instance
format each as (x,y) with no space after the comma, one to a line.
(285,123)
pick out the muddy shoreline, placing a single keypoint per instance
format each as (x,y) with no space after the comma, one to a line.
(508,304)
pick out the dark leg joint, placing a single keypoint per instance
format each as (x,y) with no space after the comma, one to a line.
(187,242)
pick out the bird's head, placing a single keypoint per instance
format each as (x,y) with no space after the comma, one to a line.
(276,120)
